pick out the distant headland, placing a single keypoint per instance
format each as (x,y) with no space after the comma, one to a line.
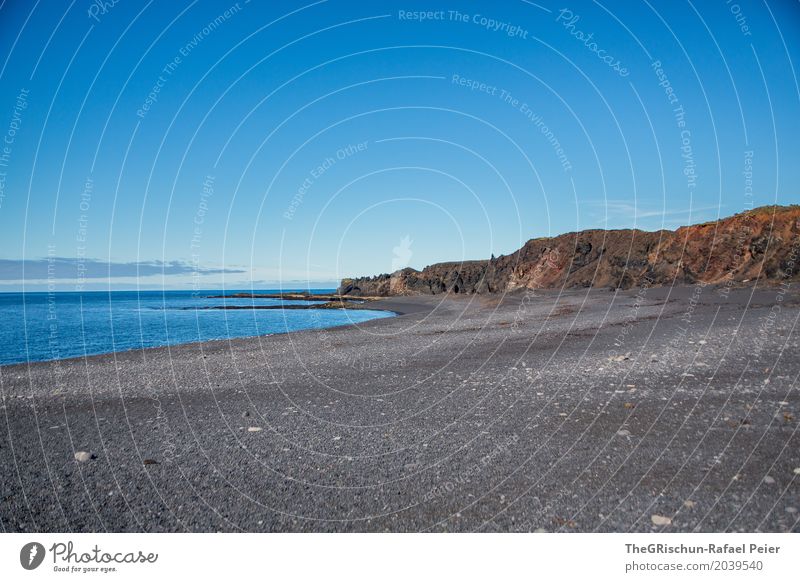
(761,244)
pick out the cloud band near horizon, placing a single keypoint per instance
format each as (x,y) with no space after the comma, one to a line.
(59,268)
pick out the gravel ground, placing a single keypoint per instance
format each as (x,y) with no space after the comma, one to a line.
(644,410)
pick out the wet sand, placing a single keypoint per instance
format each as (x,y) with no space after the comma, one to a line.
(581,411)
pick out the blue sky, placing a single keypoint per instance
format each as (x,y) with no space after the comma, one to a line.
(179,144)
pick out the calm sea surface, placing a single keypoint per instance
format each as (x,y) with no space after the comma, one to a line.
(49,326)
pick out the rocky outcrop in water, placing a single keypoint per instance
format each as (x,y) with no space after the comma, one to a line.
(759,244)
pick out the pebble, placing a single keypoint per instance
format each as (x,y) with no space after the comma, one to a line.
(769,480)
(83,456)
(660,520)
(254,429)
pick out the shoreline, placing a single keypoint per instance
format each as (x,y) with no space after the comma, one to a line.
(398,308)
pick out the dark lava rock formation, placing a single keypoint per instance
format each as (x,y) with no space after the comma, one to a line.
(762,244)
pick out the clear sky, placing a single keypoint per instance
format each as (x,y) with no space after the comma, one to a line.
(179,144)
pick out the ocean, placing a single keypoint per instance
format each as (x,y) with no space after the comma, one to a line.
(36,327)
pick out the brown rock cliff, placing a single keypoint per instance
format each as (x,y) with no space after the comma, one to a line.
(763,244)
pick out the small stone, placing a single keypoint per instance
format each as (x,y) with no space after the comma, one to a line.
(254,429)
(702,342)
(629,405)
(791,510)
(769,480)
(797,470)
(660,520)
(624,433)
(689,504)
(84,456)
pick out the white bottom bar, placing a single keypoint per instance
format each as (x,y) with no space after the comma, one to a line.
(382,557)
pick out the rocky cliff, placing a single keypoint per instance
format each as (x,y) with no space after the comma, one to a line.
(759,244)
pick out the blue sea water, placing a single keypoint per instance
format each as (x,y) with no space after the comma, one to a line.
(50,326)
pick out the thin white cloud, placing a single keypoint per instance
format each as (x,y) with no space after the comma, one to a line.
(622,212)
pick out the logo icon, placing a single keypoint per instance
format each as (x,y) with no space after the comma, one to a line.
(31,555)
(402,254)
